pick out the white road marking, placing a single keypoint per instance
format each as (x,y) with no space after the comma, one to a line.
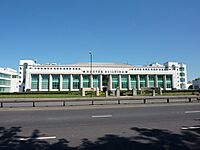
(38,138)
(189,112)
(187,128)
(102,116)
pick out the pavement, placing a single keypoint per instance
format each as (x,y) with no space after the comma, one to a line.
(149,126)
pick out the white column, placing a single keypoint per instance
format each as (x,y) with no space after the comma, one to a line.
(120,82)
(81,81)
(91,81)
(28,81)
(71,82)
(61,82)
(40,83)
(100,82)
(156,80)
(165,82)
(147,80)
(129,82)
(138,82)
(50,82)
(110,82)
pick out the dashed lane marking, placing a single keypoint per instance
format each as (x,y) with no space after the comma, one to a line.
(188,128)
(38,138)
(102,116)
(195,111)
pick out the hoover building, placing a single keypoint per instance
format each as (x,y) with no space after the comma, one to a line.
(53,77)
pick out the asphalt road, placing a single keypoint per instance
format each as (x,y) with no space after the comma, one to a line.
(163,126)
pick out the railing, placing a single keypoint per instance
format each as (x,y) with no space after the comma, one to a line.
(91,101)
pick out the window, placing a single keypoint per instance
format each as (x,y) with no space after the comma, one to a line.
(4,89)
(173,67)
(66,81)
(182,69)
(76,81)
(5,82)
(34,81)
(169,81)
(182,74)
(55,81)
(183,86)
(45,81)
(142,81)
(86,81)
(182,79)
(151,80)
(14,76)
(115,81)
(96,81)
(133,81)
(124,81)
(160,81)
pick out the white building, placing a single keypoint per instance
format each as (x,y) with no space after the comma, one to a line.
(53,77)
(9,81)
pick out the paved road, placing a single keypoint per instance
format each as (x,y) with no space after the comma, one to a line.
(160,126)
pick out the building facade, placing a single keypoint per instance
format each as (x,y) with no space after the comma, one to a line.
(53,77)
(9,81)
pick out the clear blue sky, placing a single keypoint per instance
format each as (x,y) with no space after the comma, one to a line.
(134,31)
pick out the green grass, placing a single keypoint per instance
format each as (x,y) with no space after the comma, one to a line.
(49,95)
(178,93)
(88,94)
(39,96)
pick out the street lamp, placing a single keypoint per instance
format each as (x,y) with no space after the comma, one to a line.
(90,70)
(90,64)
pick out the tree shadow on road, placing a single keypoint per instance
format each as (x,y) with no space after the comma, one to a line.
(142,138)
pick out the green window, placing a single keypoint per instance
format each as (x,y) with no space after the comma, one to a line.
(4,89)
(5,82)
(76,81)
(96,81)
(160,81)
(133,81)
(34,81)
(86,81)
(45,81)
(3,75)
(169,81)
(142,81)
(151,80)
(14,76)
(55,81)
(124,80)
(66,81)
(115,81)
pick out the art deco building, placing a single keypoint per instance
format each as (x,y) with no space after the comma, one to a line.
(53,77)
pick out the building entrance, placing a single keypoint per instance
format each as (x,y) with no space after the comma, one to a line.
(105,79)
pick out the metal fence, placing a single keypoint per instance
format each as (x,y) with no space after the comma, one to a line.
(33,102)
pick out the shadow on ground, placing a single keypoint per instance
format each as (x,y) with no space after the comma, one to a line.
(143,138)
